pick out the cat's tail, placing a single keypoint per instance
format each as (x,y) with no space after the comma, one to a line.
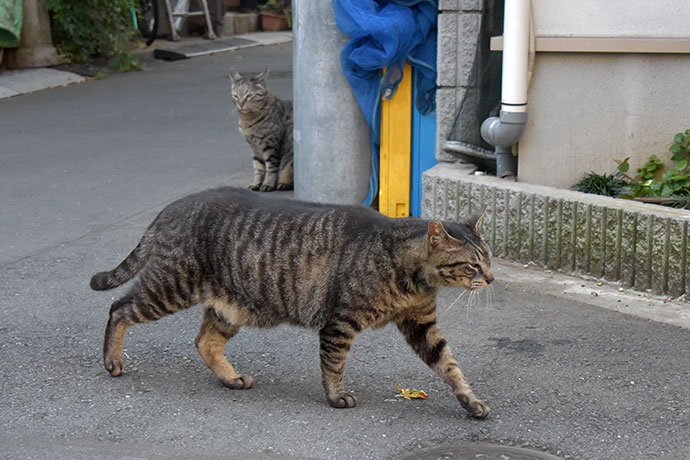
(125,271)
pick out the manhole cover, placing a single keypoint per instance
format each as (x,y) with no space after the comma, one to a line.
(479,451)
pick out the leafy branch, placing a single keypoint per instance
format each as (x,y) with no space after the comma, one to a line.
(649,184)
(84,29)
(673,184)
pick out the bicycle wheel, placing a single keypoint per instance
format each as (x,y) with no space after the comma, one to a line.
(148,20)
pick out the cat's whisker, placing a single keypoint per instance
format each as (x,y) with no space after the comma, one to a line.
(467,309)
(472,299)
(487,297)
(499,313)
(471,302)
(488,301)
(453,302)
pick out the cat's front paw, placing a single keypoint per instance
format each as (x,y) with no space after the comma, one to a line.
(343,400)
(267,188)
(254,187)
(241,382)
(114,364)
(475,407)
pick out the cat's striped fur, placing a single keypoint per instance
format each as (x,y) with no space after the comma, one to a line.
(257,261)
(266,124)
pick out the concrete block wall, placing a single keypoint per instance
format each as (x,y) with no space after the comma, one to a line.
(458,30)
(640,246)
(240,23)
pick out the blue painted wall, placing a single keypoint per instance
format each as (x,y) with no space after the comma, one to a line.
(423,152)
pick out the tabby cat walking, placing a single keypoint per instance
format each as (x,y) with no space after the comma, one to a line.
(266,124)
(258,261)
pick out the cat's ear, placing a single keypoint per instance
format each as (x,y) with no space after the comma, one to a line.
(235,77)
(474,221)
(437,235)
(261,77)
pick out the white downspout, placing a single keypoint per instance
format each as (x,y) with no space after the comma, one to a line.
(515,56)
(506,129)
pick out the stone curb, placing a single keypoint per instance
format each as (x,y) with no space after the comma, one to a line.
(16,82)
(638,245)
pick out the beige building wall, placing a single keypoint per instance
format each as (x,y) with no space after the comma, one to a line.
(588,109)
(612,18)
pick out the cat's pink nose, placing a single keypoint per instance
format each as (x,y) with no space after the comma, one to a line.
(489,277)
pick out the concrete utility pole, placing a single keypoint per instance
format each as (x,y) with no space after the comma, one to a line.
(332,141)
(36,47)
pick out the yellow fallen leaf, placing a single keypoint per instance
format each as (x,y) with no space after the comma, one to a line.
(411,394)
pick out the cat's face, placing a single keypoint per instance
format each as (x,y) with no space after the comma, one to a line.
(249,94)
(458,255)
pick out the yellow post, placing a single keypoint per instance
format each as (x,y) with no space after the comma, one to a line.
(396,143)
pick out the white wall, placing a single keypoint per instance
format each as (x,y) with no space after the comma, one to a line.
(612,18)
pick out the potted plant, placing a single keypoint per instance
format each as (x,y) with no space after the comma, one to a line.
(276,15)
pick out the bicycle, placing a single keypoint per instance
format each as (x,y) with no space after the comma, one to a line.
(146,19)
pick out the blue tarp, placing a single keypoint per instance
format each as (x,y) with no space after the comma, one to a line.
(387,33)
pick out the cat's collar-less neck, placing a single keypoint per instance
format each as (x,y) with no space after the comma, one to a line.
(250,117)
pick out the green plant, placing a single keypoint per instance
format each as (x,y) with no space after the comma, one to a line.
(84,29)
(601,184)
(674,183)
(682,201)
(280,7)
(646,184)
(681,146)
(124,62)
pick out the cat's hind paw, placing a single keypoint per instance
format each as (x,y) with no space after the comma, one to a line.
(285,187)
(343,400)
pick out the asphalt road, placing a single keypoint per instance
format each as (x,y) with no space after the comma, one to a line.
(84,169)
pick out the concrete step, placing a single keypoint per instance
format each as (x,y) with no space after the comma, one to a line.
(240,23)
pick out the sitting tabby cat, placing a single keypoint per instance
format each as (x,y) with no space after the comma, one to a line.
(255,261)
(266,124)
